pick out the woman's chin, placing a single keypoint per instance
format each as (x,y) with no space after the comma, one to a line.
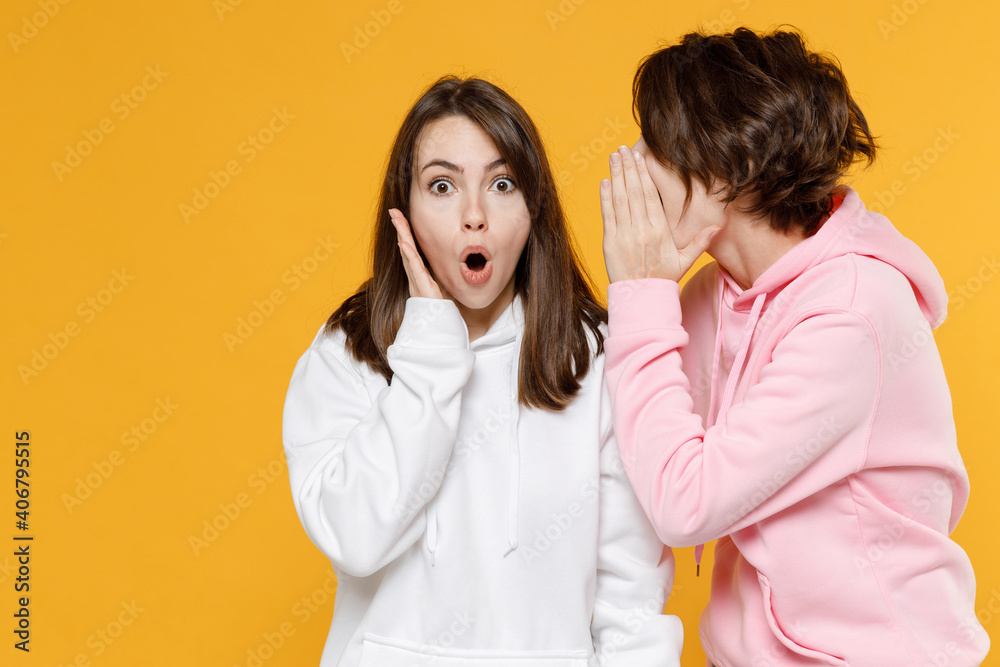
(475,300)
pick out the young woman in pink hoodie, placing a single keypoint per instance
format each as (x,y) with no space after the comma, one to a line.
(791,402)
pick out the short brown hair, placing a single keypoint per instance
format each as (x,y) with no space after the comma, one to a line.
(556,292)
(760,113)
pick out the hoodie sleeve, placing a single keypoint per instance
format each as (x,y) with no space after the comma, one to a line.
(803,426)
(361,470)
(635,573)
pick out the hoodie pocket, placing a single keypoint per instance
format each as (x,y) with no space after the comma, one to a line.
(788,642)
(384,652)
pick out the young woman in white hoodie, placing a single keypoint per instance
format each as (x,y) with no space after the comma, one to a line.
(448,431)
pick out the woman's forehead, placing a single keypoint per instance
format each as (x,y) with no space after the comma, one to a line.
(457,143)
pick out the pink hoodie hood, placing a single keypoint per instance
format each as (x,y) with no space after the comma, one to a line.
(854,229)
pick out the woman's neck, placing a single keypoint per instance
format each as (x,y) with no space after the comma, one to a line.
(479,320)
(746,248)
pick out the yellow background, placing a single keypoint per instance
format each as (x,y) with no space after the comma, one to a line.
(924,71)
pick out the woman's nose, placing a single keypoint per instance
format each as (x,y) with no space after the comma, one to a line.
(474,218)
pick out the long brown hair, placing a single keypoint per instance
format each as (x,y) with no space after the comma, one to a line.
(556,292)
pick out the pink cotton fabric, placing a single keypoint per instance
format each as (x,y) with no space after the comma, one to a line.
(806,424)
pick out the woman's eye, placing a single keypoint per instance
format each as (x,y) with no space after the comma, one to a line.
(442,187)
(503,184)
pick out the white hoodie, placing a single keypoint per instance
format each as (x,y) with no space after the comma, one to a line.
(465,529)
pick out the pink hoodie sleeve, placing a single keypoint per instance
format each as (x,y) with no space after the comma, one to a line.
(802,426)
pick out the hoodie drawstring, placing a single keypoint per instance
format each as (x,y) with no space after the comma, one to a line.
(734,373)
(717,354)
(741,356)
(430,537)
(514,448)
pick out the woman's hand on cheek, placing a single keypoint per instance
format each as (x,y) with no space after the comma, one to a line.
(638,239)
(421,282)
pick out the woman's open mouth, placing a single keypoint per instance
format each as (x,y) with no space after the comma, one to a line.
(476,265)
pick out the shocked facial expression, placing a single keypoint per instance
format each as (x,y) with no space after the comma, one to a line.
(467,213)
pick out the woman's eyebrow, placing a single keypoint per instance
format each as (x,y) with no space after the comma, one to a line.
(454,167)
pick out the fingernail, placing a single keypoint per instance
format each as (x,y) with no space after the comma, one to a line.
(637,155)
(623,149)
(616,158)
(605,184)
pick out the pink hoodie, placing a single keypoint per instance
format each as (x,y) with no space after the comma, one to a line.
(811,433)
